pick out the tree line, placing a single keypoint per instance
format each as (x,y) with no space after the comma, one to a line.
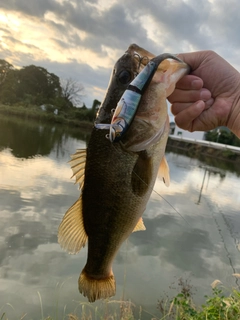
(222,135)
(35,86)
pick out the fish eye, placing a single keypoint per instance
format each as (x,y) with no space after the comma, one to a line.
(125,77)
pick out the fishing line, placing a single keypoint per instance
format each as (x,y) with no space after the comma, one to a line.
(156,192)
(163,199)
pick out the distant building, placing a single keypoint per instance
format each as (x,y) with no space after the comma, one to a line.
(176,131)
(172,127)
(43,107)
(49,108)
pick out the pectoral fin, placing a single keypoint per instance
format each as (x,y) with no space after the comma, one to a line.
(71,233)
(163,172)
(139,226)
(142,173)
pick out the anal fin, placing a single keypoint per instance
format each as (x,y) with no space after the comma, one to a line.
(139,226)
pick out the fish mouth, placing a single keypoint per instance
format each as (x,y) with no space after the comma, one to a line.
(138,51)
(168,64)
(143,56)
(132,63)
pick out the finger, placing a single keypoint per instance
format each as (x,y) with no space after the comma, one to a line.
(178,107)
(189,82)
(189,95)
(184,119)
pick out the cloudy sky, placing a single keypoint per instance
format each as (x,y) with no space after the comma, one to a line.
(82,39)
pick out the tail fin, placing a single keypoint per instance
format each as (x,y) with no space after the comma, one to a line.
(95,289)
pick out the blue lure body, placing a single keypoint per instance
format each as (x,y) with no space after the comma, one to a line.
(128,104)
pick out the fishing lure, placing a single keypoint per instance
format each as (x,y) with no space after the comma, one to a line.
(128,104)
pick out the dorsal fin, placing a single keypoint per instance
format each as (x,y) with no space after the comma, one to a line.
(71,233)
(163,172)
(77,162)
(139,226)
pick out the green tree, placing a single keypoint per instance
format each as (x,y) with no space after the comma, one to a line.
(5,68)
(95,105)
(222,135)
(8,82)
(8,89)
(43,86)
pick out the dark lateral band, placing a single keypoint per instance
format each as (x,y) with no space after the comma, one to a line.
(135,89)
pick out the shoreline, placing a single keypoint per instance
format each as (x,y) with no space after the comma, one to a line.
(36,115)
(197,148)
(191,147)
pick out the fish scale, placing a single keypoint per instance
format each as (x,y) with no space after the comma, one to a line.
(118,178)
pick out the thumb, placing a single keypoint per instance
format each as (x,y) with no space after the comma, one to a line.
(194,59)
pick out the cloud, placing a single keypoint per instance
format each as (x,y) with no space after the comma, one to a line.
(36,9)
(85,38)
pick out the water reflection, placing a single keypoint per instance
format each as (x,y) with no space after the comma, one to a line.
(207,160)
(207,172)
(26,139)
(181,239)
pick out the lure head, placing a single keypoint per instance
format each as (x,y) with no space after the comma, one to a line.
(124,71)
(127,105)
(128,72)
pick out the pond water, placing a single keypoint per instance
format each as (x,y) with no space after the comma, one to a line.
(192,227)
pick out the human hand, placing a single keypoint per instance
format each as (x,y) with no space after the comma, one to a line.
(208,97)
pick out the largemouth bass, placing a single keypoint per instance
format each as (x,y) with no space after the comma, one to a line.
(116,178)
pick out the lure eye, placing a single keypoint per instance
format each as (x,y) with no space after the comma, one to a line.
(125,77)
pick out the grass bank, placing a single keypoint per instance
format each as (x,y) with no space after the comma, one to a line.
(222,304)
(35,113)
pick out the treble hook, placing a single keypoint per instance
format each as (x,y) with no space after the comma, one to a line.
(145,58)
(140,60)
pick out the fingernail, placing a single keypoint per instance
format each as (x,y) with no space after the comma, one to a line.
(196,84)
(209,103)
(205,95)
(199,105)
